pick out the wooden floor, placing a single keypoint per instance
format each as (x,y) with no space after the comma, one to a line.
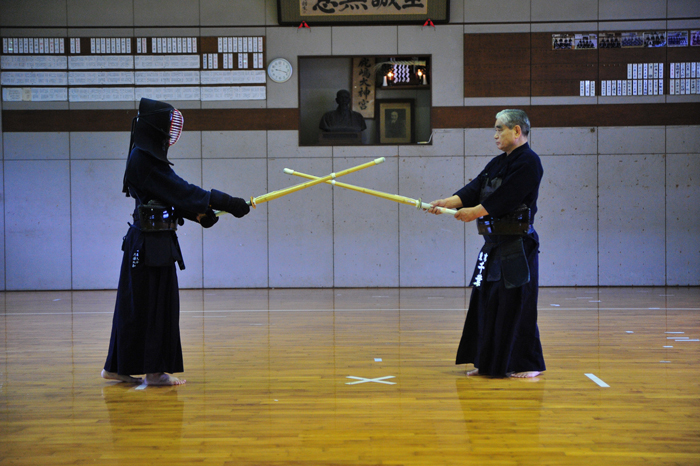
(355,377)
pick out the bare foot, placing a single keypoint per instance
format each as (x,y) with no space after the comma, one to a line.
(161,378)
(525,375)
(121,378)
(474,371)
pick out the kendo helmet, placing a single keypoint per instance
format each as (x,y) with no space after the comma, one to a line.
(157,126)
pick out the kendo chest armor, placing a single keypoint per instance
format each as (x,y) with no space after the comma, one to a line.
(514,223)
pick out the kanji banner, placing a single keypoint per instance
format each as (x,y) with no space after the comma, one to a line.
(362,7)
(323,12)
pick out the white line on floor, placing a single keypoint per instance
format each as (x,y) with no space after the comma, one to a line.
(597,380)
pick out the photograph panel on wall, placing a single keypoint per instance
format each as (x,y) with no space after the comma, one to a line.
(395,118)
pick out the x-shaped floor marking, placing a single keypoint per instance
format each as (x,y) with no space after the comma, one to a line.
(363,380)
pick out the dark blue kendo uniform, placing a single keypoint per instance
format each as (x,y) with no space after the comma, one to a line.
(145,332)
(145,329)
(500,334)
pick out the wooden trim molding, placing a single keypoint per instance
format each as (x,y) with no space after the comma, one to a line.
(279,119)
(255,119)
(556,116)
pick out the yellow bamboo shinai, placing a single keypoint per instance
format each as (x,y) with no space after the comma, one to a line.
(419,204)
(254,201)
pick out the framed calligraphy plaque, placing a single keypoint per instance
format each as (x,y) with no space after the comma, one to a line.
(363,87)
(336,12)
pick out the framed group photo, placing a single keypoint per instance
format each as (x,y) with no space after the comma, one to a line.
(395,121)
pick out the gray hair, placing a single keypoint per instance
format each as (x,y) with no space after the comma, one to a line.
(512,117)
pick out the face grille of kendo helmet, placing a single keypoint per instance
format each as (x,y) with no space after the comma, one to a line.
(176,123)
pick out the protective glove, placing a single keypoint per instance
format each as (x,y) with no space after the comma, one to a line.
(209,219)
(233,205)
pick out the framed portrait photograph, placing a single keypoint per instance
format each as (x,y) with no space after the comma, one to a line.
(395,121)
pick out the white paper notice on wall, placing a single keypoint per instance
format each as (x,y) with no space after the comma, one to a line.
(249,93)
(167,93)
(216,93)
(34,78)
(178,78)
(13,94)
(101,62)
(233,93)
(101,94)
(146,62)
(33,62)
(233,77)
(36,94)
(100,78)
(49,94)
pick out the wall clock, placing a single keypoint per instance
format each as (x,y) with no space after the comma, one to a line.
(279,70)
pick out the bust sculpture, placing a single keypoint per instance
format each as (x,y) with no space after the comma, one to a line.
(342,119)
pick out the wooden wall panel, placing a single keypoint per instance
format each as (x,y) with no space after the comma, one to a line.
(613,62)
(525,65)
(682,54)
(496,65)
(559,72)
(497,88)
(561,80)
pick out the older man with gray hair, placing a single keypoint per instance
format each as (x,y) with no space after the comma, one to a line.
(500,335)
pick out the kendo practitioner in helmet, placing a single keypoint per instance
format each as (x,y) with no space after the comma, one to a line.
(145,329)
(500,335)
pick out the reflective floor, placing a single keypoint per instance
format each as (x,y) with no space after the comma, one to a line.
(355,377)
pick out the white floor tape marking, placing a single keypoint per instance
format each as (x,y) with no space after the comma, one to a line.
(597,380)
